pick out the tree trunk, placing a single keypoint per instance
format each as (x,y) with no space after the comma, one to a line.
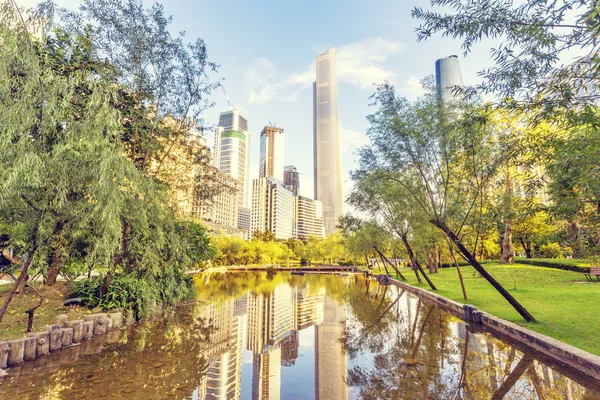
(477,266)
(415,263)
(462,283)
(527,247)
(23,277)
(368,263)
(54,257)
(117,259)
(508,252)
(384,266)
(389,262)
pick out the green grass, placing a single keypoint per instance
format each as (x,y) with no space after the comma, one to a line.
(565,305)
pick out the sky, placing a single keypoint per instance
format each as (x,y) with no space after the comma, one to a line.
(266,51)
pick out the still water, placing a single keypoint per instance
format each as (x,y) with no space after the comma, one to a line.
(253,336)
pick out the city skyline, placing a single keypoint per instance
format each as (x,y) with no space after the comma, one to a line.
(266,82)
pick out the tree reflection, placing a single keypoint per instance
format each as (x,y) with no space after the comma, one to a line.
(421,352)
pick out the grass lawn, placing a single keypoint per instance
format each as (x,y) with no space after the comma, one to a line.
(14,323)
(565,305)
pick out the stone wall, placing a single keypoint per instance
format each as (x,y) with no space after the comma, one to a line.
(63,334)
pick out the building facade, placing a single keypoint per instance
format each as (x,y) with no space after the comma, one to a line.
(271,153)
(308,218)
(272,208)
(327,153)
(447,78)
(232,150)
(291,179)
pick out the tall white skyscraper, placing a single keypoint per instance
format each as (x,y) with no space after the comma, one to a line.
(327,153)
(232,151)
(271,153)
(447,78)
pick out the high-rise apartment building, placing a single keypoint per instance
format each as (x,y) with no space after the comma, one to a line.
(291,179)
(271,153)
(232,150)
(308,218)
(447,78)
(272,208)
(244,220)
(327,153)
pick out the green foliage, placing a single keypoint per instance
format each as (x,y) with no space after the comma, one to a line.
(140,295)
(554,250)
(536,36)
(566,264)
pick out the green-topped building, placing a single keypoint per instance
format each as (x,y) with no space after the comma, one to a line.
(232,150)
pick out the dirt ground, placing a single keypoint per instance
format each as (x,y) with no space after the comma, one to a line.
(14,323)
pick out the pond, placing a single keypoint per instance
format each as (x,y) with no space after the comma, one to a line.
(259,336)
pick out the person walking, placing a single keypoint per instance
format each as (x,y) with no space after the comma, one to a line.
(6,259)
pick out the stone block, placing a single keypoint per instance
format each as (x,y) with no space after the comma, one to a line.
(61,320)
(49,328)
(77,326)
(4,349)
(16,353)
(67,336)
(30,352)
(472,314)
(87,330)
(117,320)
(42,342)
(100,322)
(55,339)
(109,324)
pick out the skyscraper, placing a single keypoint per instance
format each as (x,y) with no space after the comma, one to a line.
(271,153)
(308,218)
(331,366)
(291,179)
(232,150)
(447,78)
(272,208)
(327,154)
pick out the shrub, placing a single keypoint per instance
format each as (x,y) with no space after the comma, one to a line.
(552,250)
(140,295)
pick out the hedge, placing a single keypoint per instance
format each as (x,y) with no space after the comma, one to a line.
(564,264)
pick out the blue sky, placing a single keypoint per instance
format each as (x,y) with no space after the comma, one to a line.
(267,49)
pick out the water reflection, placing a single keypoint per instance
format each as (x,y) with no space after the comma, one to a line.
(253,336)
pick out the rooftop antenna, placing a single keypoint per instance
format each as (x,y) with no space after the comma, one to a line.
(225,92)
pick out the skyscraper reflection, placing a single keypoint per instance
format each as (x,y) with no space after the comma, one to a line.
(268,325)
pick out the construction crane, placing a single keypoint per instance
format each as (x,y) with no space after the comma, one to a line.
(225,93)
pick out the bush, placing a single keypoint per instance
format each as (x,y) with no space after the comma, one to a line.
(129,292)
(564,264)
(551,250)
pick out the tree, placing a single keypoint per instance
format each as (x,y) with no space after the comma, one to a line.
(374,192)
(536,37)
(443,157)
(61,166)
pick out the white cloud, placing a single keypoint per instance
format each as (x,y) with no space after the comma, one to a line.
(393,23)
(411,87)
(360,64)
(351,140)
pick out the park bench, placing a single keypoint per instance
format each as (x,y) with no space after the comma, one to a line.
(594,271)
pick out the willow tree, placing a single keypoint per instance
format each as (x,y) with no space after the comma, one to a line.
(374,192)
(61,157)
(444,159)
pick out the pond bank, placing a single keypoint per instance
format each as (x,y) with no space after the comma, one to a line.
(556,353)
